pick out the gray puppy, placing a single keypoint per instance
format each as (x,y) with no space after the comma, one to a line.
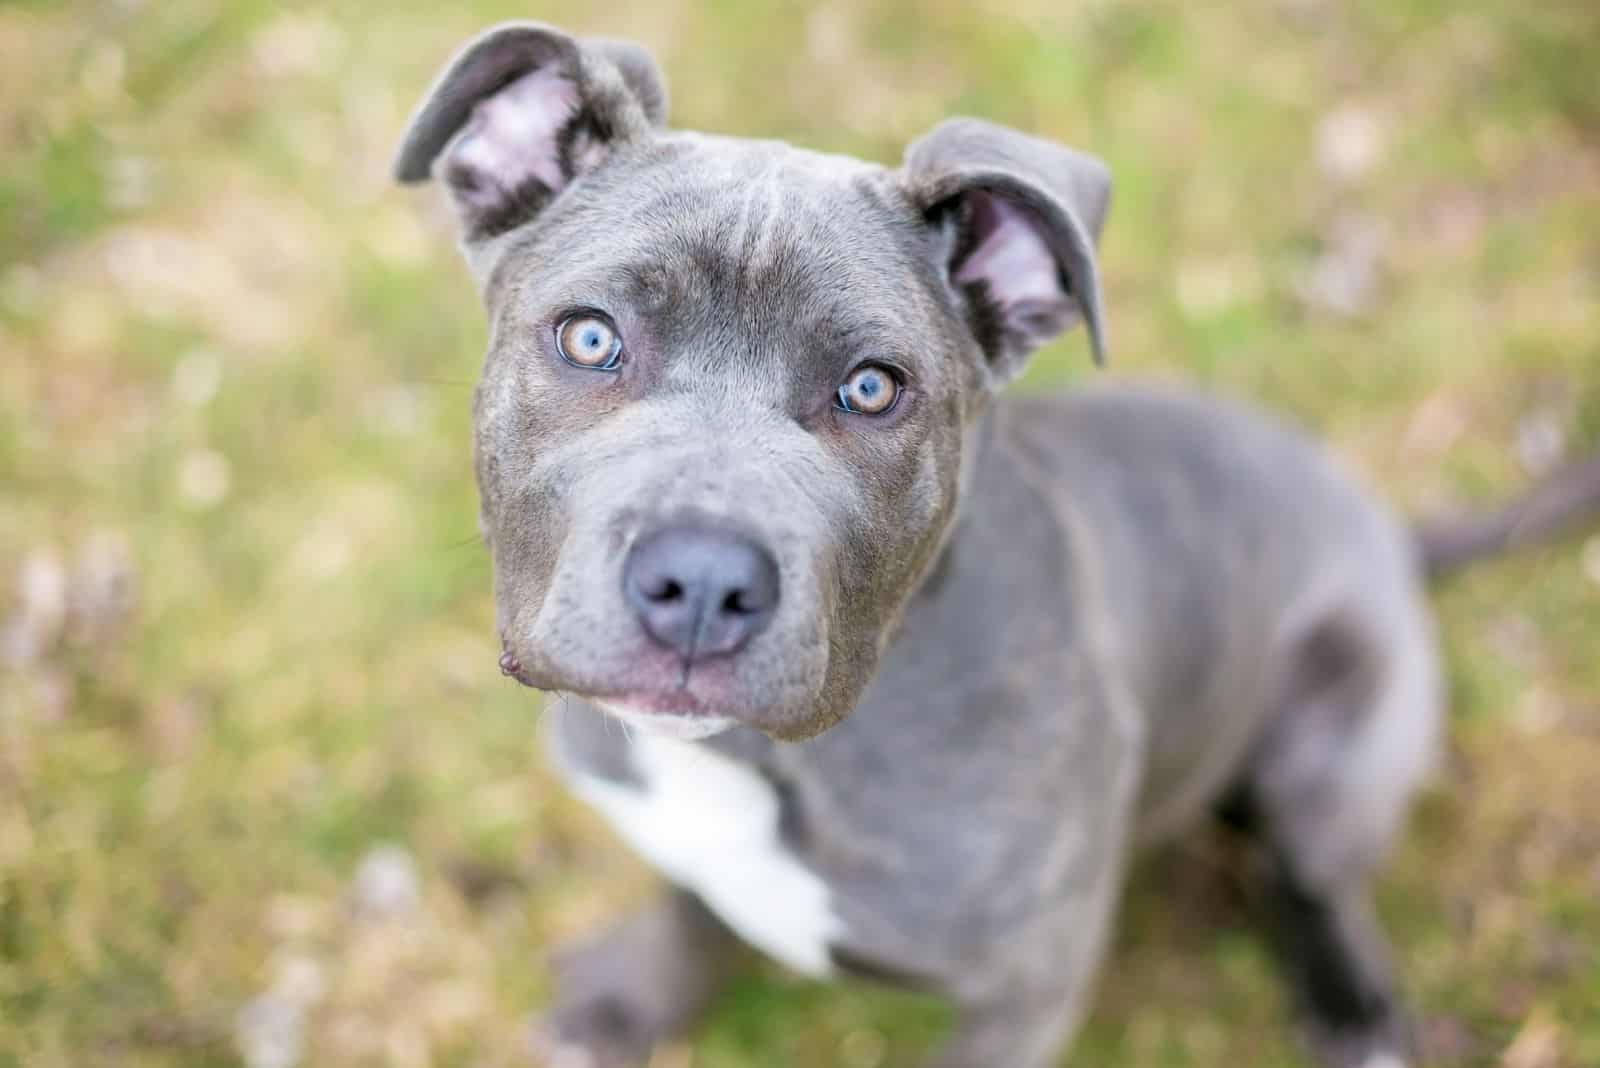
(908,669)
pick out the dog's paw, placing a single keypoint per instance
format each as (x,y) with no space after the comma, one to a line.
(600,1032)
(1385,1059)
(1370,1051)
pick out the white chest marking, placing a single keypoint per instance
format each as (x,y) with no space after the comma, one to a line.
(710,824)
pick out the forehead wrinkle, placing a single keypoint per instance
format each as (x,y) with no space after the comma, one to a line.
(807,300)
(753,223)
(764,271)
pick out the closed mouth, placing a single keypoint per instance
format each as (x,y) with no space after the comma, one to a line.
(670,703)
(672,708)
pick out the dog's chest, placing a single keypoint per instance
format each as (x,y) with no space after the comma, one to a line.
(711,824)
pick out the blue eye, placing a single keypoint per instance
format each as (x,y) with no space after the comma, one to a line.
(589,340)
(871,389)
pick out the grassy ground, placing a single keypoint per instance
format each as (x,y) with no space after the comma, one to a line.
(245,622)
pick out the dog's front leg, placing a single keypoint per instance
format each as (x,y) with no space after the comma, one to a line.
(1025,1015)
(1028,1023)
(642,982)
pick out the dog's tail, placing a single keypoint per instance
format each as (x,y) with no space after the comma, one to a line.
(1550,508)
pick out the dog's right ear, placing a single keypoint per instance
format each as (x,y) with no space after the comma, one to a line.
(521,113)
(1024,214)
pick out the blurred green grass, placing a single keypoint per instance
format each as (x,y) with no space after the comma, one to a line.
(247,626)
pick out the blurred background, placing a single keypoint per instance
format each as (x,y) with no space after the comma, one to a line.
(264,798)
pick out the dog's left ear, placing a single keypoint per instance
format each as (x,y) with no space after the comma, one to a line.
(1022,217)
(521,113)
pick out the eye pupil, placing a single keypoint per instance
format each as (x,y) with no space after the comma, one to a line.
(589,341)
(870,390)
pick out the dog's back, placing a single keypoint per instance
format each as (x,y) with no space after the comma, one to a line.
(1233,549)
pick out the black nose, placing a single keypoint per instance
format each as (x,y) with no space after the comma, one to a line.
(699,590)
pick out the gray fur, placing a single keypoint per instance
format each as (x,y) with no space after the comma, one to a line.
(1016,638)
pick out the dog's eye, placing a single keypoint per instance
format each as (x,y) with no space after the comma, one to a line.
(589,340)
(871,389)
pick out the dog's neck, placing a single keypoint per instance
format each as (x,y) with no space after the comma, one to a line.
(976,449)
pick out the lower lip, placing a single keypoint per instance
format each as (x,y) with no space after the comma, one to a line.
(657,705)
(679,719)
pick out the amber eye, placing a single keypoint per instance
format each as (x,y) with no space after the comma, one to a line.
(871,389)
(589,340)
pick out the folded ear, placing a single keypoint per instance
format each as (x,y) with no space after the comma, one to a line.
(520,113)
(1022,216)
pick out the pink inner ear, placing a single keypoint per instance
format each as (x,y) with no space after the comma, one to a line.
(1010,256)
(513,136)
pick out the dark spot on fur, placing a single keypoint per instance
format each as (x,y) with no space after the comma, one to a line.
(1341,992)
(614,1019)
(792,829)
(1330,655)
(1335,665)
(853,964)
(1238,810)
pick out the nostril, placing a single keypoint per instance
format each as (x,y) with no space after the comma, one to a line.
(700,591)
(662,589)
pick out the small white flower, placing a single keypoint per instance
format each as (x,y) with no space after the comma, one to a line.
(386,883)
(204,478)
(270,1032)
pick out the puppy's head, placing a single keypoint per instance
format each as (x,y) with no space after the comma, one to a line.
(721,425)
